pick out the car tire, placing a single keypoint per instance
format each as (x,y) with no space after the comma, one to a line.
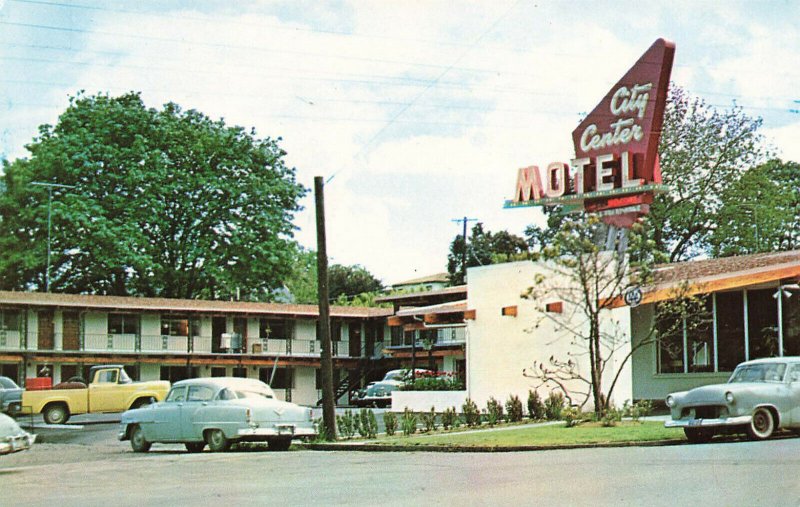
(763,424)
(698,435)
(56,413)
(217,441)
(195,446)
(279,444)
(138,442)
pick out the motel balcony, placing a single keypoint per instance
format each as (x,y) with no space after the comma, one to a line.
(12,341)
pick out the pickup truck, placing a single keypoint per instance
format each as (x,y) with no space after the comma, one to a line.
(110,389)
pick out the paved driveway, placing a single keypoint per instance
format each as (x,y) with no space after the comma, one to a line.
(106,472)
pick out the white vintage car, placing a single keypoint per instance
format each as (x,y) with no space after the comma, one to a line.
(217,412)
(12,437)
(761,396)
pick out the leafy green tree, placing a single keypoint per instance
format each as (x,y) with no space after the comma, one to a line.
(166,203)
(703,150)
(483,248)
(301,283)
(350,281)
(347,285)
(760,211)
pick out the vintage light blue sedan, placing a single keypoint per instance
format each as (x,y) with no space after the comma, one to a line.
(761,396)
(217,412)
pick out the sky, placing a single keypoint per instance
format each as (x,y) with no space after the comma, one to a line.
(416,113)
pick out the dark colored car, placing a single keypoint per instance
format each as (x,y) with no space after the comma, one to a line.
(10,396)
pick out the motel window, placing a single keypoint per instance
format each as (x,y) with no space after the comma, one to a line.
(762,323)
(791,325)
(670,341)
(700,339)
(119,323)
(178,326)
(276,329)
(686,344)
(397,336)
(176,373)
(730,329)
(283,378)
(9,319)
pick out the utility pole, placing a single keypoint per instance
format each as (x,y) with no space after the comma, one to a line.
(328,403)
(464,255)
(49,222)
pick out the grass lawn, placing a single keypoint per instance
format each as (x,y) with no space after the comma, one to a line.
(554,435)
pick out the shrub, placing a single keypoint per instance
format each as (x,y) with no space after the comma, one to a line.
(429,420)
(367,423)
(553,406)
(535,405)
(514,408)
(611,416)
(434,381)
(494,411)
(472,416)
(409,422)
(347,424)
(450,418)
(571,416)
(637,410)
(390,422)
(321,431)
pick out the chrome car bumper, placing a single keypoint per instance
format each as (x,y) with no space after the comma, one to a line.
(17,443)
(701,423)
(277,430)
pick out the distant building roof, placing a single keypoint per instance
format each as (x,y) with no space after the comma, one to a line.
(42,299)
(435,278)
(425,298)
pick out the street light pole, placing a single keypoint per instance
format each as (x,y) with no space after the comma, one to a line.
(49,223)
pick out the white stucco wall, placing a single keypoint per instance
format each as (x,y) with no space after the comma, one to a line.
(95,323)
(500,347)
(305,330)
(422,401)
(305,391)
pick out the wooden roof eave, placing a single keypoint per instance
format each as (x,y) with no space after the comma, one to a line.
(666,292)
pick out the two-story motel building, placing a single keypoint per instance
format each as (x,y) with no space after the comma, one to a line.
(61,335)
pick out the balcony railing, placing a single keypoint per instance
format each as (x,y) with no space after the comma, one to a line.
(444,336)
(160,344)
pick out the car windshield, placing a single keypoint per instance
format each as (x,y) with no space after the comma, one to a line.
(394,375)
(7,383)
(765,372)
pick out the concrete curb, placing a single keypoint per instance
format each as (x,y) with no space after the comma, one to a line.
(454,448)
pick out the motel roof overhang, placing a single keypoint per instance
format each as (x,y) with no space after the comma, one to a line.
(180,306)
(716,275)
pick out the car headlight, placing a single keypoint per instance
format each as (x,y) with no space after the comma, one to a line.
(729,397)
(670,401)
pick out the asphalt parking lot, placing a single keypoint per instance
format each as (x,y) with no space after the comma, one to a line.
(90,467)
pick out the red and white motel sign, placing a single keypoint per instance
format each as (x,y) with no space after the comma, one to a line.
(615,171)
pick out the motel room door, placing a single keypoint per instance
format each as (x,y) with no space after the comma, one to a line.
(70,328)
(46,332)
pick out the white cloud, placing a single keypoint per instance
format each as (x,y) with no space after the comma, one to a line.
(425,114)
